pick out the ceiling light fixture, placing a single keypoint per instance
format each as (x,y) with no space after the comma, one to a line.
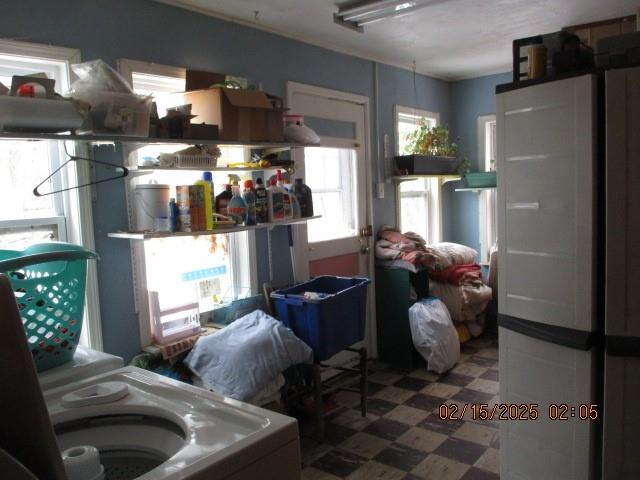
(356,14)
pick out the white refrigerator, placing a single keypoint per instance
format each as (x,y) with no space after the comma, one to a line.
(568,230)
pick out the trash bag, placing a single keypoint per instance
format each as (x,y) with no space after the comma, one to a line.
(434,335)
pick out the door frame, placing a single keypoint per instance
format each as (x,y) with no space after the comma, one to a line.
(301,255)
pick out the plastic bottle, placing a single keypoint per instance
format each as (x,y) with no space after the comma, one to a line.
(208,205)
(208,177)
(262,210)
(237,208)
(173,215)
(222,199)
(249,197)
(275,203)
(296,212)
(303,194)
(286,199)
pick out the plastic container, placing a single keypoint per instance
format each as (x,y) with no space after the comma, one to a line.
(42,114)
(237,208)
(249,197)
(119,114)
(275,203)
(480,179)
(286,198)
(262,207)
(427,164)
(151,202)
(222,200)
(305,199)
(296,211)
(208,205)
(330,323)
(49,283)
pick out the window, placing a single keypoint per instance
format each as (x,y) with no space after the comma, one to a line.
(65,216)
(487,162)
(418,200)
(330,174)
(209,271)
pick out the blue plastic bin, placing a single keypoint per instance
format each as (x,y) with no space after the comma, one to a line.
(331,323)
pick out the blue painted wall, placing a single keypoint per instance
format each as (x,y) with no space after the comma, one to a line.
(469,100)
(150,31)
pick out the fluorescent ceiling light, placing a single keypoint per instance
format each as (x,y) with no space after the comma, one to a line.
(355,14)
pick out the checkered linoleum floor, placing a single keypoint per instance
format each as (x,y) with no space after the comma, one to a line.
(402,436)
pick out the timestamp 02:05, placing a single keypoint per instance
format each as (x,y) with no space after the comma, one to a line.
(514,411)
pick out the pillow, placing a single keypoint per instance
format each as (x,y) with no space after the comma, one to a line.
(242,358)
(452,254)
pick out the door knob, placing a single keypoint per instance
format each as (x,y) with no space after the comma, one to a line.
(364,249)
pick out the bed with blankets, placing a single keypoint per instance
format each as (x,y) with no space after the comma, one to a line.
(454,275)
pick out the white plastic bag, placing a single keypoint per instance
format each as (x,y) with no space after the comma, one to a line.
(434,335)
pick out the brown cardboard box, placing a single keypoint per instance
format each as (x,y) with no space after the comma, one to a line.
(242,115)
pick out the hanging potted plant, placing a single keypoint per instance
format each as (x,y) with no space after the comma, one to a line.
(429,151)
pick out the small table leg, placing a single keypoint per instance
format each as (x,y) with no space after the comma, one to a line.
(363,381)
(318,407)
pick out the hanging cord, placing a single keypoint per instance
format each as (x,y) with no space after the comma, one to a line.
(122,171)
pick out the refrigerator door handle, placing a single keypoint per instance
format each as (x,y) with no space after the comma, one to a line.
(523,206)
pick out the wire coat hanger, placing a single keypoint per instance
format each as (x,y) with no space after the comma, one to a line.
(123,172)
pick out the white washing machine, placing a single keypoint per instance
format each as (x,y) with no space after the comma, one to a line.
(86,363)
(149,427)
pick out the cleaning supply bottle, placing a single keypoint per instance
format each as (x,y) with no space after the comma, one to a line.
(286,199)
(208,205)
(275,203)
(208,177)
(173,215)
(222,200)
(296,212)
(237,208)
(249,197)
(262,210)
(303,194)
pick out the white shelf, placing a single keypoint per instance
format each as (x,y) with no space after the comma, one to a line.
(216,231)
(143,140)
(148,170)
(445,178)
(474,189)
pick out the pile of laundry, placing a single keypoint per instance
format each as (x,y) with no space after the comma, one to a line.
(465,294)
(454,277)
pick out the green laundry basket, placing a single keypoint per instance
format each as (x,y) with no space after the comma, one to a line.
(49,280)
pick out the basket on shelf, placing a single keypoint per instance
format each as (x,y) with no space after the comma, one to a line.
(49,280)
(177,160)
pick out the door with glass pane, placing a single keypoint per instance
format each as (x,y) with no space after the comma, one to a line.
(337,173)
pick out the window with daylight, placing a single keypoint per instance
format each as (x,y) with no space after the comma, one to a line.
(330,174)
(418,206)
(26,219)
(487,162)
(209,271)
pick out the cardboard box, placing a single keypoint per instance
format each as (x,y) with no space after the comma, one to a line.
(242,115)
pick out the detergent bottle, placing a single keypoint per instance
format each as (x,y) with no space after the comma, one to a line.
(275,203)
(286,199)
(262,209)
(296,211)
(237,208)
(222,200)
(208,206)
(249,197)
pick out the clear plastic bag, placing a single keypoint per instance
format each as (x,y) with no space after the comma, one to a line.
(114,108)
(434,335)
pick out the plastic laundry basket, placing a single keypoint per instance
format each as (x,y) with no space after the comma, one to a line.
(49,281)
(330,323)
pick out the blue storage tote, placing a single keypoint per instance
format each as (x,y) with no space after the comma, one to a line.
(330,323)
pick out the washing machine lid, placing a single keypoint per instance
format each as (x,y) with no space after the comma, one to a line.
(85,363)
(221,435)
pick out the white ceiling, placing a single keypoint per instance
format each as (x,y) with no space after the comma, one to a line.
(450,39)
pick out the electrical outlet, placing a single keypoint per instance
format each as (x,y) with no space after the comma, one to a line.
(380,192)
